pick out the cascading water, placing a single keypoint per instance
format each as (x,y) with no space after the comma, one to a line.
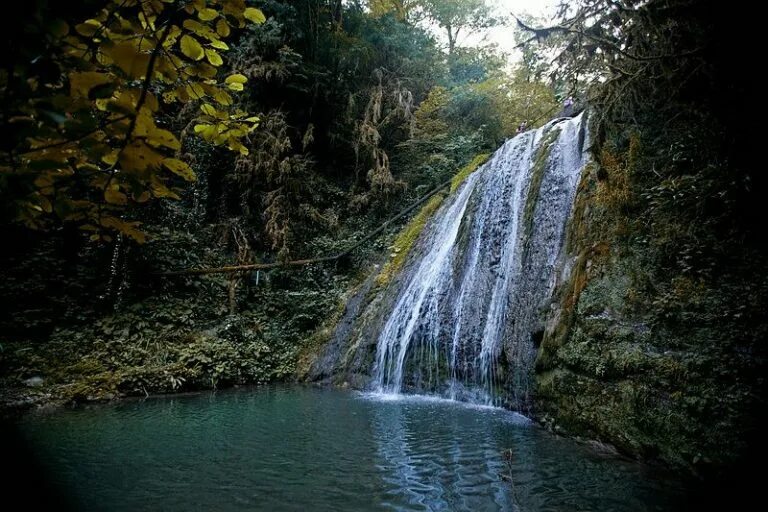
(484,272)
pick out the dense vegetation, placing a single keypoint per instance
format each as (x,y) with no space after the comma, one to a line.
(141,137)
(329,117)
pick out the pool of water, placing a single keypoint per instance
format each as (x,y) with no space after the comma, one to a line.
(294,448)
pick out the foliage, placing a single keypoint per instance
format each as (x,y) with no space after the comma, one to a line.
(402,9)
(459,18)
(468,169)
(359,116)
(84,142)
(173,343)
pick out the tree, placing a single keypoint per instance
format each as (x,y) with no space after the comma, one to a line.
(84,138)
(402,9)
(459,17)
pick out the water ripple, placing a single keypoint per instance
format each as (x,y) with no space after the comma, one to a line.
(284,449)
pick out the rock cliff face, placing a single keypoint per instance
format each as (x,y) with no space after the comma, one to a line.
(464,315)
(644,319)
(656,343)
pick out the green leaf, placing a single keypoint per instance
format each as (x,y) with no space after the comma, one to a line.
(191,48)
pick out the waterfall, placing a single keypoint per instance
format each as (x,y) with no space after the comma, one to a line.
(473,297)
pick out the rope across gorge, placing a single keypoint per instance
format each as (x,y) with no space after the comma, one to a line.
(346,252)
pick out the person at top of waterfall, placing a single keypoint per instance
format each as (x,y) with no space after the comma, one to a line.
(523,126)
(568,107)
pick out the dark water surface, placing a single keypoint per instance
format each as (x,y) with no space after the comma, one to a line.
(293,448)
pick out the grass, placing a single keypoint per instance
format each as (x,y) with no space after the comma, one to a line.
(468,169)
(406,240)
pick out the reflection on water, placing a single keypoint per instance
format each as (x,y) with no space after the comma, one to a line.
(439,471)
(306,449)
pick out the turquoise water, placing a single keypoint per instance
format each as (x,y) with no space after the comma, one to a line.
(292,448)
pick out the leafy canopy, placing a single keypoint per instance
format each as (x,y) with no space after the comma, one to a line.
(455,18)
(87,139)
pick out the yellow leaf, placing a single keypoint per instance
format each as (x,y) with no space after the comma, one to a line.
(128,58)
(213,57)
(45,204)
(166,69)
(195,91)
(180,168)
(207,131)
(173,34)
(199,29)
(147,22)
(88,28)
(145,124)
(237,78)
(222,97)
(207,14)
(221,45)
(129,229)
(143,197)
(137,157)
(113,196)
(81,83)
(254,15)
(160,190)
(235,145)
(160,137)
(191,48)
(222,28)
(59,28)
(182,93)
(110,158)
(235,87)
(202,69)
(208,109)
